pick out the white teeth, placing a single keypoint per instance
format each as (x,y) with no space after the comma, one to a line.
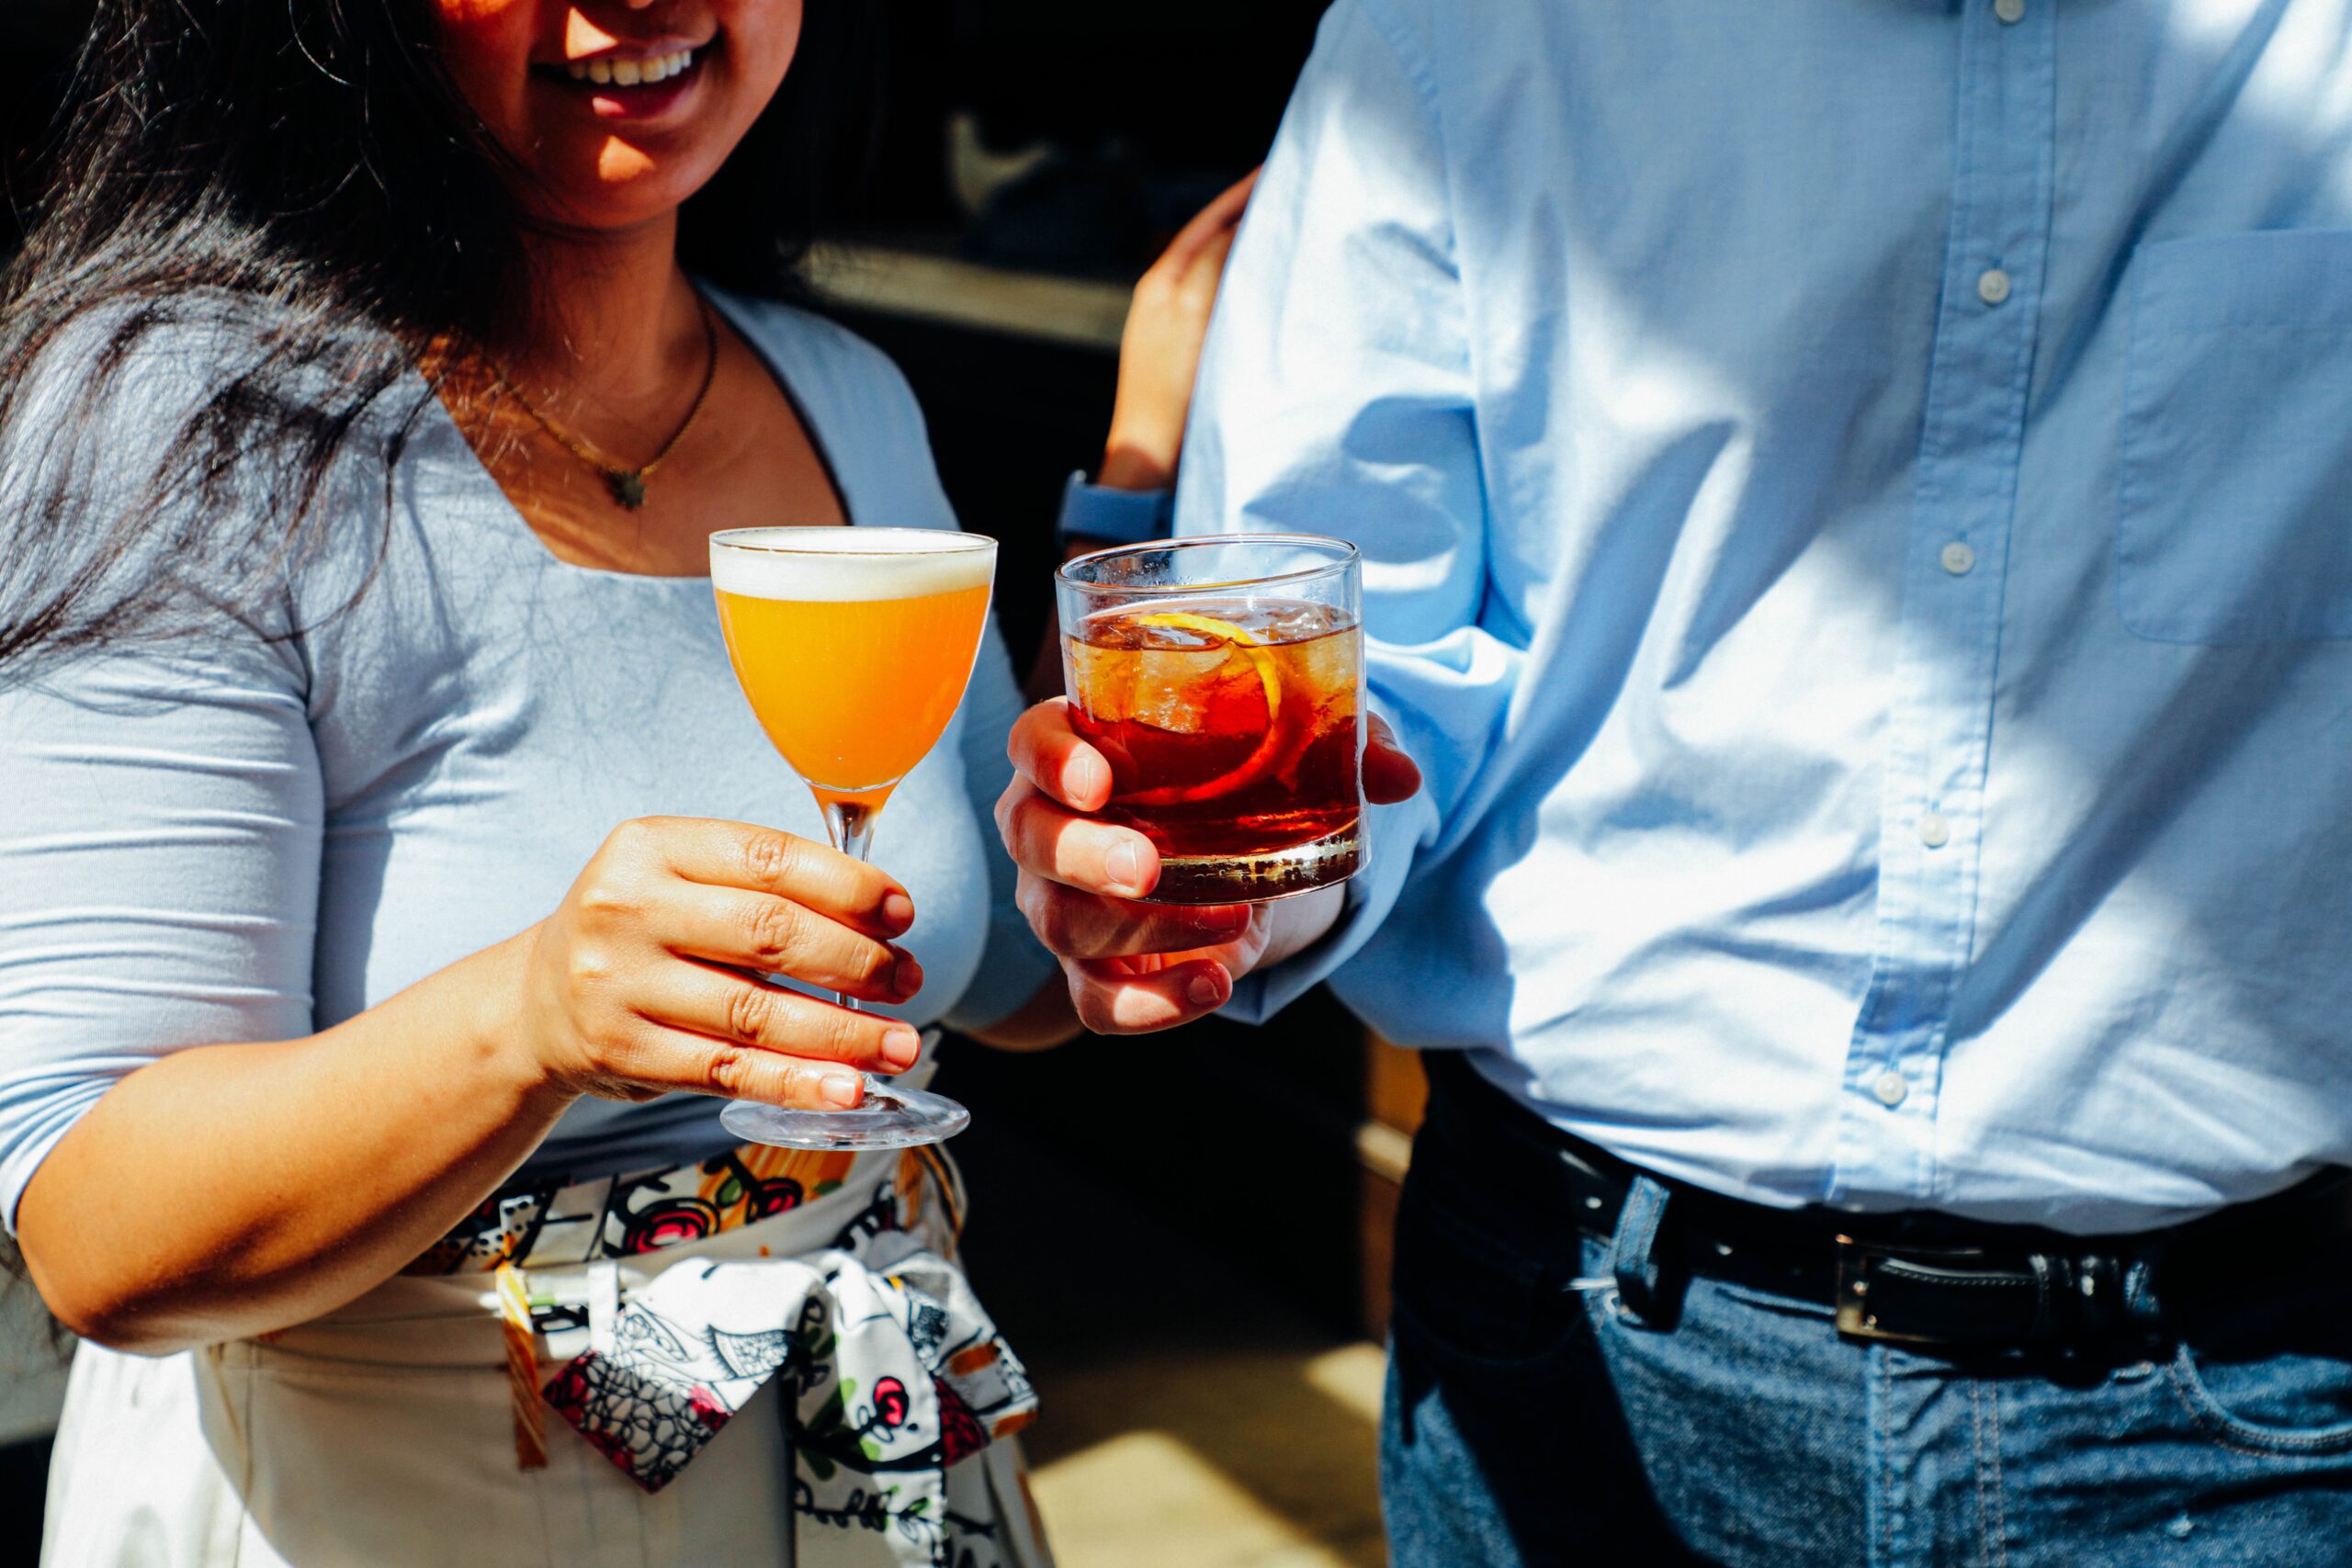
(629,73)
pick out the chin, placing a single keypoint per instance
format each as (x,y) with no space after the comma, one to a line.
(601,205)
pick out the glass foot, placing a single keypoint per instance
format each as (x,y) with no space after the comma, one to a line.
(890,1118)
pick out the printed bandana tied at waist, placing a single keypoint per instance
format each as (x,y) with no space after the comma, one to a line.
(888,1369)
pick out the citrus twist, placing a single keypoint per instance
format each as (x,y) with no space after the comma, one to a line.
(1260,761)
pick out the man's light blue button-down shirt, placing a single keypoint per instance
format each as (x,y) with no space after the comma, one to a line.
(1857,500)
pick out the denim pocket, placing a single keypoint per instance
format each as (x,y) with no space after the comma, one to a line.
(2234,506)
(2271,1372)
(1474,1295)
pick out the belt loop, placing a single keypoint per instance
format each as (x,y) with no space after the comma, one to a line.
(1638,1259)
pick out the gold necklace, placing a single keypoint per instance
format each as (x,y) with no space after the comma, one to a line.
(626,484)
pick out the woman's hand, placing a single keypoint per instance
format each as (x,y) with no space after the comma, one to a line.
(1136,967)
(1160,352)
(642,981)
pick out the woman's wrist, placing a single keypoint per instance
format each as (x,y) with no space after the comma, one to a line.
(494,991)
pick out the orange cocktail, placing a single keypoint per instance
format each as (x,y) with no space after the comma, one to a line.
(854,691)
(1222,678)
(853,647)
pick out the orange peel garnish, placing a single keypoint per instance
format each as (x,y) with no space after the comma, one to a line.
(1260,761)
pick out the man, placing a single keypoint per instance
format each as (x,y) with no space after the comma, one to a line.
(1857,497)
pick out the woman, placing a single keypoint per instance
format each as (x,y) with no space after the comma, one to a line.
(361,428)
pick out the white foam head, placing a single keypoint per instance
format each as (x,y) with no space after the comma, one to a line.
(844,564)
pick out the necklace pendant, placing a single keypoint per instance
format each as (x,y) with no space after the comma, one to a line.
(627,486)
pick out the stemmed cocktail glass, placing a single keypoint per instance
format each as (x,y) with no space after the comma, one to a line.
(854,645)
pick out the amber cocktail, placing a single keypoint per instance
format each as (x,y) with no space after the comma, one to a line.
(1222,679)
(854,645)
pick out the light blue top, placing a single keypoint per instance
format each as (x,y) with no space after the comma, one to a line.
(234,838)
(1857,500)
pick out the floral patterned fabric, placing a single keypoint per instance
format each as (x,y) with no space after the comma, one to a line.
(888,1372)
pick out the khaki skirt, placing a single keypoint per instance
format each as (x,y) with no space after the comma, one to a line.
(384,1435)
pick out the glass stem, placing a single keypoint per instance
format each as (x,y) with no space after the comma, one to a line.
(852,827)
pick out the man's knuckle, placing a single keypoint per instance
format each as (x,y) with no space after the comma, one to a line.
(1061,927)
(1093,1008)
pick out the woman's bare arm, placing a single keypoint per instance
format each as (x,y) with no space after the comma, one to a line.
(226,1191)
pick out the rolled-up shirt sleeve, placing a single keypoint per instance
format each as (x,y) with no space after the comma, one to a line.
(159,871)
(1336,397)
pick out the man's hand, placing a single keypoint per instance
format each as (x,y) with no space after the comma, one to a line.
(1135,967)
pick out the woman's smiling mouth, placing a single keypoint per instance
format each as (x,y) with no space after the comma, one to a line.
(622,71)
(640,83)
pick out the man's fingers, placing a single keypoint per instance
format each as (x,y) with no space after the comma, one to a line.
(1389,775)
(729,1008)
(1214,222)
(1055,758)
(1081,925)
(773,936)
(1133,997)
(1049,840)
(739,854)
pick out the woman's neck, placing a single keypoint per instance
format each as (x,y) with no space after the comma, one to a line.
(617,340)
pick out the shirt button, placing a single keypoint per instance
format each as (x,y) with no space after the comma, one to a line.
(1993,286)
(1934,830)
(1891,1089)
(1958,558)
(2010,10)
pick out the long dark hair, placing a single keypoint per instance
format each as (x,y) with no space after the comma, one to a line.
(300,180)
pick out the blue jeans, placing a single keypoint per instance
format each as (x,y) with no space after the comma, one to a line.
(1533,1418)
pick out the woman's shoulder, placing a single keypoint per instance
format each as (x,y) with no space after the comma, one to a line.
(823,360)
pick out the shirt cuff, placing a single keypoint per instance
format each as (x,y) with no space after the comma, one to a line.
(1391,834)
(1113,516)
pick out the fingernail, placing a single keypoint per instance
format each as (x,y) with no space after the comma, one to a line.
(905,978)
(841,1089)
(898,911)
(901,1047)
(1086,776)
(1125,865)
(1223,917)
(1205,991)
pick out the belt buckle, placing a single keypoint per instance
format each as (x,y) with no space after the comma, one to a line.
(1855,1319)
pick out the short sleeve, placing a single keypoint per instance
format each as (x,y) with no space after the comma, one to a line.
(160,796)
(159,871)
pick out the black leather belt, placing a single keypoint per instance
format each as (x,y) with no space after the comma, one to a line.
(1920,1279)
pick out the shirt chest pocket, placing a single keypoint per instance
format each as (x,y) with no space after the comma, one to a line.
(2233,521)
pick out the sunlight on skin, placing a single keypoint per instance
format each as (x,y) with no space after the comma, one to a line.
(600,162)
(583,38)
(619,163)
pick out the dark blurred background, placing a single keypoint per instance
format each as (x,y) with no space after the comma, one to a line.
(1217,1197)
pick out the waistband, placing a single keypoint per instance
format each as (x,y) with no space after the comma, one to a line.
(1917,1277)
